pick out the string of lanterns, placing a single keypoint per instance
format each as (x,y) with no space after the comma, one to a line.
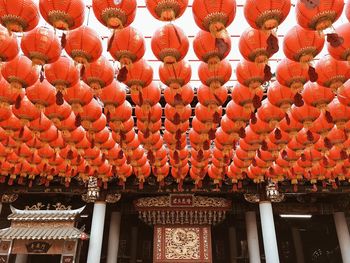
(64,109)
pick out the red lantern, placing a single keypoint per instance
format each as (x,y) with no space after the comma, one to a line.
(11,124)
(95,126)
(212,98)
(206,114)
(253,45)
(8,96)
(9,47)
(115,14)
(318,15)
(57,113)
(251,74)
(340,50)
(49,135)
(215,77)
(167,10)
(280,96)
(98,74)
(238,114)
(19,16)
(41,94)
(20,73)
(90,112)
(332,73)
(40,124)
(64,15)
(75,136)
(266,15)
(41,46)
(112,96)
(83,45)
(139,75)
(305,114)
(66,125)
(78,96)
(228,126)
(339,112)
(5,113)
(127,46)
(321,125)
(122,126)
(246,98)
(214,17)
(200,127)
(302,45)
(270,113)
(177,117)
(292,74)
(344,94)
(179,98)
(175,75)
(122,113)
(317,96)
(307,138)
(26,112)
(62,74)
(148,96)
(292,126)
(261,127)
(169,44)
(153,115)
(209,49)
(337,137)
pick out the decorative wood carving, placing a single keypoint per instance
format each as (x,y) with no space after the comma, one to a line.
(185,244)
(182,209)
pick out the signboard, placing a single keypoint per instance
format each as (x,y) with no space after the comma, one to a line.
(38,247)
(181,200)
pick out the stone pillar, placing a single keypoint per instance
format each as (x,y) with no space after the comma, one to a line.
(343,235)
(96,235)
(268,232)
(252,237)
(113,239)
(133,251)
(298,245)
(233,244)
(21,258)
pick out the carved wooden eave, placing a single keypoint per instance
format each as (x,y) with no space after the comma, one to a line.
(182,209)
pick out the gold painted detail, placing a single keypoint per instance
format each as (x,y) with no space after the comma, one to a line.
(182,243)
(198,201)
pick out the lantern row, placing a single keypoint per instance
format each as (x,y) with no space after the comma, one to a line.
(68,116)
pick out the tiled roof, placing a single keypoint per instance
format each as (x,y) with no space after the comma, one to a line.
(42,233)
(43,215)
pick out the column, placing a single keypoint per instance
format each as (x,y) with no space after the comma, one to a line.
(0,208)
(233,244)
(113,239)
(96,235)
(133,251)
(343,235)
(252,237)
(298,245)
(268,232)
(21,258)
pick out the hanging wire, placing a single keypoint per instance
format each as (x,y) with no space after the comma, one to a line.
(88,15)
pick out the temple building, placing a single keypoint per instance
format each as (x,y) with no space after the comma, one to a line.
(174,131)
